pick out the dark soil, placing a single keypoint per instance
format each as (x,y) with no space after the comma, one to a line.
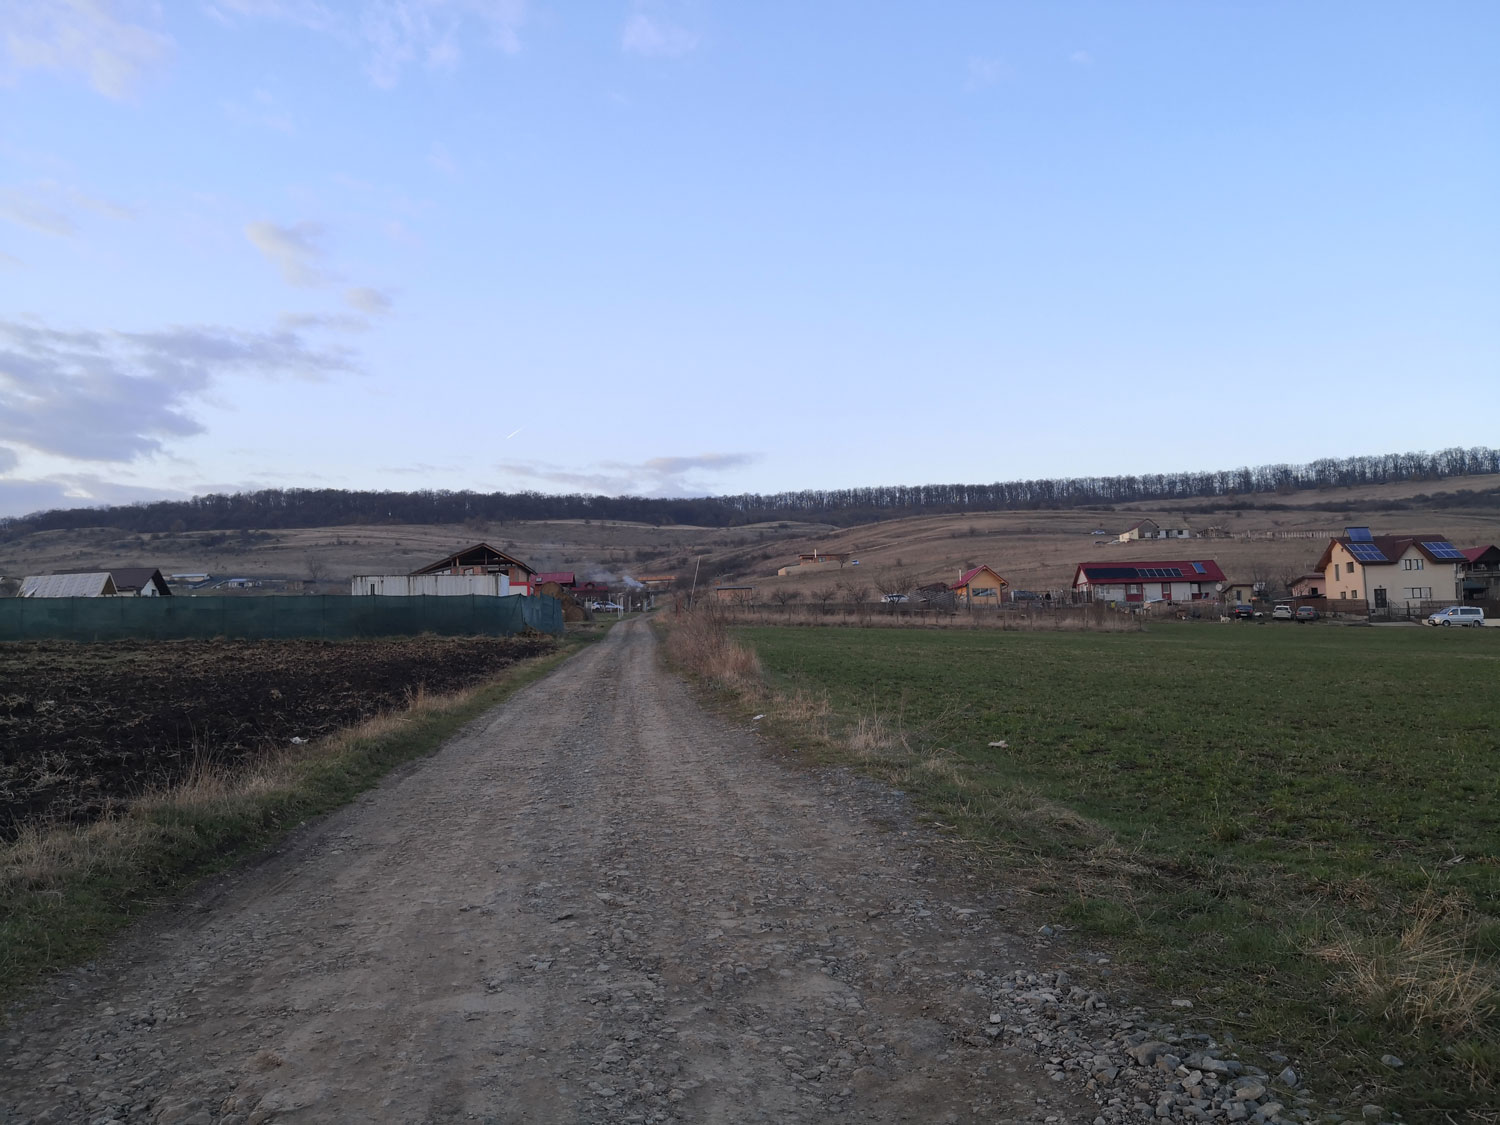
(87,726)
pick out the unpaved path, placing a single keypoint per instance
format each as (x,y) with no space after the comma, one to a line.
(597,904)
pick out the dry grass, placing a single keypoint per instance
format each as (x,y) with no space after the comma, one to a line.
(1428,976)
(43,857)
(46,856)
(1094,618)
(699,642)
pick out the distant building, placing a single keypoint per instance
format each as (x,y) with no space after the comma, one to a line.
(816,560)
(1143,582)
(564,578)
(481,559)
(979,586)
(1150,529)
(136,581)
(737,595)
(94,584)
(1309,585)
(1481,573)
(657,582)
(429,585)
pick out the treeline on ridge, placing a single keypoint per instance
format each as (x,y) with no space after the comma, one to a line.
(333,507)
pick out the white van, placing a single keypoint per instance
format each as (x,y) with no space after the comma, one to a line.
(1464,615)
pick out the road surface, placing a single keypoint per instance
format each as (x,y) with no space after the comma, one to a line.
(597,903)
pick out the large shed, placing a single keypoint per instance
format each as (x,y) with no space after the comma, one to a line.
(481,558)
(95,584)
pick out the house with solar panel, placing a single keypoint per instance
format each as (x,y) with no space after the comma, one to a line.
(1392,571)
(1141,583)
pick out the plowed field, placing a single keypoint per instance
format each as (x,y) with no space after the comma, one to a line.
(84,726)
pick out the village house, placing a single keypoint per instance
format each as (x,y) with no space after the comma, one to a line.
(656,583)
(1241,593)
(1309,585)
(1143,582)
(481,559)
(979,586)
(135,581)
(735,595)
(1391,571)
(1150,529)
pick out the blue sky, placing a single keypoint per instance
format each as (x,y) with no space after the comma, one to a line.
(688,247)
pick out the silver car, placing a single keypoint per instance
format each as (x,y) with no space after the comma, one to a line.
(1465,615)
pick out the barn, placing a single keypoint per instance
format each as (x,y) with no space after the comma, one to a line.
(1141,582)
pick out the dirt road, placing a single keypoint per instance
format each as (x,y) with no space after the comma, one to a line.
(596,904)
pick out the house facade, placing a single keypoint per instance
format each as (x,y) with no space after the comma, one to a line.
(1192,580)
(979,586)
(1391,571)
(1481,573)
(1312,585)
(1150,529)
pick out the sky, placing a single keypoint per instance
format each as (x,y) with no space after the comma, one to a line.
(681,247)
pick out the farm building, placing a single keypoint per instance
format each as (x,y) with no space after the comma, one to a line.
(1150,529)
(591,591)
(94,584)
(979,586)
(1140,582)
(564,578)
(429,585)
(738,595)
(1391,570)
(482,559)
(657,582)
(815,560)
(136,581)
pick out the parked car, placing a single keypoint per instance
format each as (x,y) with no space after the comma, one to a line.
(1282,612)
(895,599)
(1464,615)
(1306,613)
(611,606)
(1242,611)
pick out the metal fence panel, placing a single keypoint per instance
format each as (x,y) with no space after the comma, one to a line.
(181,618)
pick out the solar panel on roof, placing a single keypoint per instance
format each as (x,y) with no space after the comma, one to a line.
(1442,549)
(1367,552)
(1199,567)
(1358,534)
(1174,572)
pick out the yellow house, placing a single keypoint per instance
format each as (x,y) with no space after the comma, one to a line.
(980,586)
(1391,571)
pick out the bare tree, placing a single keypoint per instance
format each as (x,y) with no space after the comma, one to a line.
(317,569)
(823,595)
(784,597)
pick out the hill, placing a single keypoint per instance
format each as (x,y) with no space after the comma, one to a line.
(1269,537)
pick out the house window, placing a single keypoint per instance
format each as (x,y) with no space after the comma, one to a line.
(1419,594)
(1351,568)
(1412,564)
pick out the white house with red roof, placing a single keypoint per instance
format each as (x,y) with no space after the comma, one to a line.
(1392,570)
(1138,583)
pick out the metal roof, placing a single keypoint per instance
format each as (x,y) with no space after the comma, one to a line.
(96,584)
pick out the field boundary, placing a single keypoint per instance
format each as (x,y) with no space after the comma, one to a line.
(65,891)
(323,616)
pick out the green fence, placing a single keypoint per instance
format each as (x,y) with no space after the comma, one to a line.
(189,618)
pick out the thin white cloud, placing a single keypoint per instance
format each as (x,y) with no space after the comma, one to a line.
(50,207)
(656,476)
(394,35)
(1081,58)
(262,111)
(986,72)
(112,42)
(656,37)
(11,262)
(441,159)
(368,299)
(117,396)
(9,459)
(295,250)
(327,322)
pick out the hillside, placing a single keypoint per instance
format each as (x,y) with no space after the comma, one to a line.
(1267,538)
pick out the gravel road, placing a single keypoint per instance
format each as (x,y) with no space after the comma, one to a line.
(597,903)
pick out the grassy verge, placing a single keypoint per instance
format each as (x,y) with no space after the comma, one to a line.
(64,891)
(1297,827)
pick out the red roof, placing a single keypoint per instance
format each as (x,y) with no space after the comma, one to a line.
(1106,574)
(1391,548)
(968,576)
(561,577)
(1473,554)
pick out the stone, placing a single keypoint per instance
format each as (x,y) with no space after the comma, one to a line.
(1287,1077)
(1391,1061)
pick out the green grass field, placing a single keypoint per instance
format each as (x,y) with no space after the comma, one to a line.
(1296,826)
